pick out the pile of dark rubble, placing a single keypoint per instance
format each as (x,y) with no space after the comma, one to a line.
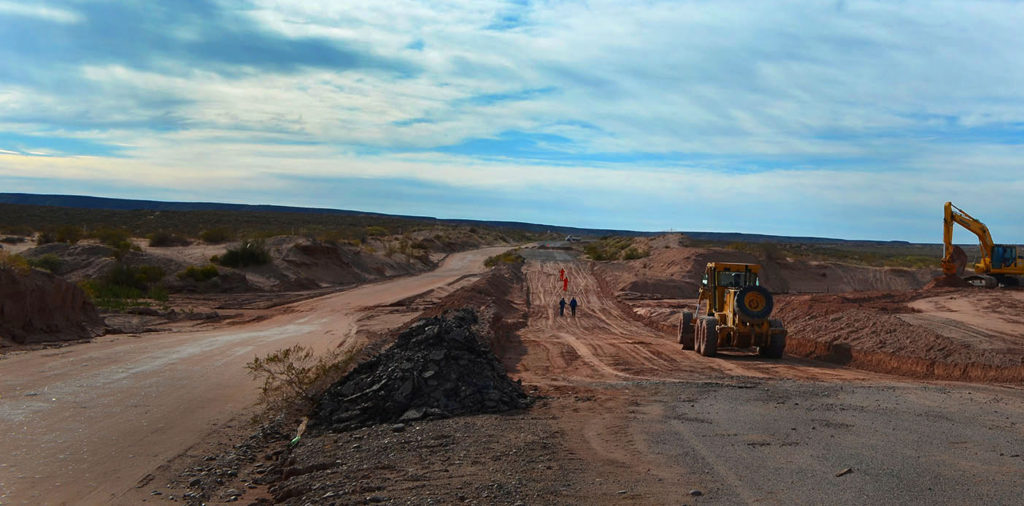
(439,367)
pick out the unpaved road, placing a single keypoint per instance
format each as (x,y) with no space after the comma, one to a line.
(84,423)
(662,421)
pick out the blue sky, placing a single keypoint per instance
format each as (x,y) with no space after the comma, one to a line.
(841,119)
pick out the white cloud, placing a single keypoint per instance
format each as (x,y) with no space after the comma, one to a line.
(39,10)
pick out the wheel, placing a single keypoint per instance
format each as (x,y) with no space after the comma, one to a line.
(709,342)
(686,333)
(777,344)
(754,302)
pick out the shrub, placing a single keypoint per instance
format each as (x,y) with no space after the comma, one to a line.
(375,231)
(216,235)
(165,239)
(511,256)
(15,263)
(199,274)
(634,253)
(69,234)
(252,252)
(12,239)
(46,237)
(117,238)
(294,377)
(124,285)
(49,262)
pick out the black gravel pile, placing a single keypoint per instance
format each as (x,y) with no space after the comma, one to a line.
(437,368)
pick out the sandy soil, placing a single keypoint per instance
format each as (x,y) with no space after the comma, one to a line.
(625,416)
(83,424)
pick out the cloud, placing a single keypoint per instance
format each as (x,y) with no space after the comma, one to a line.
(870,110)
(39,11)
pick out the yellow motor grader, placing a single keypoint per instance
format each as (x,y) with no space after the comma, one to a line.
(732,312)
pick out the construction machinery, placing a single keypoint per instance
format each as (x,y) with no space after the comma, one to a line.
(999,263)
(732,312)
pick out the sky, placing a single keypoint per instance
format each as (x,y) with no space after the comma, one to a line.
(849,119)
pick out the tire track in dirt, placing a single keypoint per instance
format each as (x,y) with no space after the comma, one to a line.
(602,343)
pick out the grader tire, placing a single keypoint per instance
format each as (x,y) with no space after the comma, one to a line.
(686,331)
(709,342)
(777,344)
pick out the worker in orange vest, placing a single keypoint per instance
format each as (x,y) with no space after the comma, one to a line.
(561,275)
(565,285)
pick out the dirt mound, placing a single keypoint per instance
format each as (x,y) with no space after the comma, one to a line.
(674,272)
(38,307)
(439,367)
(878,331)
(947,282)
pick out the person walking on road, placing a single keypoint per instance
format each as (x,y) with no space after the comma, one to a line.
(572,306)
(561,307)
(561,274)
(565,284)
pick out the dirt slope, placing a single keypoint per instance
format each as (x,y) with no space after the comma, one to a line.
(36,307)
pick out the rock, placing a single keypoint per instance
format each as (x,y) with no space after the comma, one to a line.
(696,493)
(621,492)
(438,367)
(156,492)
(376,499)
(195,483)
(398,427)
(844,472)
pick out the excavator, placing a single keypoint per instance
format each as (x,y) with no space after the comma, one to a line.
(999,264)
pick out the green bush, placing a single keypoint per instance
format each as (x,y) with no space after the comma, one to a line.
(12,239)
(124,286)
(216,235)
(251,252)
(15,263)
(634,253)
(46,237)
(165,239)
(199,274)
(49,262)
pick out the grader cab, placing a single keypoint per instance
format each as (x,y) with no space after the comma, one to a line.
(733,312)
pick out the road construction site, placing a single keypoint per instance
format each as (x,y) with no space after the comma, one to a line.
(899,395)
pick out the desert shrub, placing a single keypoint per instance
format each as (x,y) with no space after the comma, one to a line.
(251,252)
(634,253)
(49,262)
(13,262)
(117,238)
(293,378)
(375,231)
(166,239)
(13,239)
(200,274)
(511,256)
(69,234)
(125,286)
(612,248)
(216,235)
(46,237)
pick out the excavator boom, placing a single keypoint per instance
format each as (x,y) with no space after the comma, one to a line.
(996,259)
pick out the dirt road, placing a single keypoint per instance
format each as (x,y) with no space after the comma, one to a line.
(659,421)
(84,423)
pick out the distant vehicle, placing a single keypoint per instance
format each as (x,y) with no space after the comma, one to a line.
(735,316)
(572,238)
(999,264)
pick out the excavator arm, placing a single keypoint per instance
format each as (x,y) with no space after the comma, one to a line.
(954,259)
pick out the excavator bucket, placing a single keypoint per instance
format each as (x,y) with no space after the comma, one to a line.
(959,259)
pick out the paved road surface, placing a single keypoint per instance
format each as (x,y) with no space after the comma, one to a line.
(82,424)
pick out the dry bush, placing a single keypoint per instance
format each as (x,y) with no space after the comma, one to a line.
(293,378)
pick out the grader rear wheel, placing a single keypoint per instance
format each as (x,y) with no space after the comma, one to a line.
(686,331)
(709,341)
